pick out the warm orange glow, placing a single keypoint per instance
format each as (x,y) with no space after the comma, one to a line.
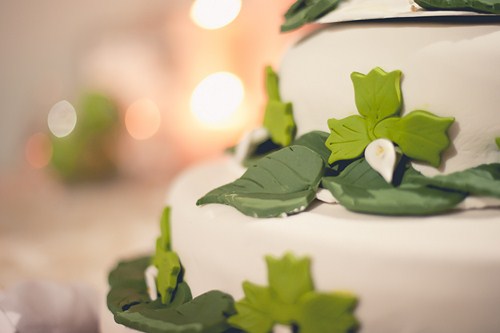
(38,150)
(217,98)
(142,119)
(214,14)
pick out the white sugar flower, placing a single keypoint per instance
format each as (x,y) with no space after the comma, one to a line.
(381,155)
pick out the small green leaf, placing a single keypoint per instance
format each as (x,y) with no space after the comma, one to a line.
(318,310)
(482,6)
(361,189)
(278,117)
(497,141)
(305,11)
(483,180)
(283,182)
(348,138)
(289,277)
(377,94)
(167,262)
(291,300)
(420,135)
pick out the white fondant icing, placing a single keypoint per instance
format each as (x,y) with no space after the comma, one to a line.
(473,202)
(432,274)
(448,69)
(325,196)
(282,329)
(381,155)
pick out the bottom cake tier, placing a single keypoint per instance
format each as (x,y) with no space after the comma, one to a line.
(434,274)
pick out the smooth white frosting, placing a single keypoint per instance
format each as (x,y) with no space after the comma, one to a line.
(434,274)
(449,70)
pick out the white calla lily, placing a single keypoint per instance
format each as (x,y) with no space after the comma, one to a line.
(382,157)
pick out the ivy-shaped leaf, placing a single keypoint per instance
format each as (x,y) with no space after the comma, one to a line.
(483,180)
(278,117)
(377,94)
(305,11)
(290,299)
(482,6)
(420,135)
(167,261)
(348,138)
(283,182)
(361,189)
(128,300)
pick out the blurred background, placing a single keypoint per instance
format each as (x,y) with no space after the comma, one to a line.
(102,103)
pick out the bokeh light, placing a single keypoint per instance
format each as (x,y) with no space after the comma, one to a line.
(38,150)
(142,119)
(217,97)
(214,14)
(62,119)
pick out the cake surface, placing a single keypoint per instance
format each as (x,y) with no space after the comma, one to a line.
(433,274)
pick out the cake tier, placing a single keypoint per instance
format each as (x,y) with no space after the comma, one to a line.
(435,274)
(449,69)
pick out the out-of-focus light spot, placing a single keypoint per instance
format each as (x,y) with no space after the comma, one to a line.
(38,150)
(142,119)
(214,14)
(62,119)
(217,97)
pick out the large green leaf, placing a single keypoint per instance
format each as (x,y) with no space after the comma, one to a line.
(360,188)
(348,138)
(316,141)
(283,182)
(129,302)
(377,94)
(485,6)
(305,11)
(483,180)
(420,135)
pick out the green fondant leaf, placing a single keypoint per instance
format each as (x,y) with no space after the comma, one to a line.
(130,304)
(497,141)
(484,6)
(483,180)
(319,309)
(278,120)
(291,300)
(377,94)
(278,117)
(348,138)
(315,141)
(305,11)
(166,261)
(283,182)
(360,188)
(420,135)
(280,270)
(253,313)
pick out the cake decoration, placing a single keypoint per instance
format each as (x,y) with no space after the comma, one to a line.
(420,134)
(361,189)
(278,118)
(283,182)
(382,157)
(166,261)
(290,299)
(497,141)
(305,11)
(175,311)
(483,6)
